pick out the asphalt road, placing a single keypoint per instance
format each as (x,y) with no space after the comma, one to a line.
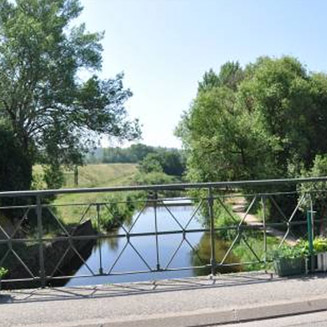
(190,302)
(318,319)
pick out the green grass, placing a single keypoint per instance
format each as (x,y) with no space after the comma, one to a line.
(97,175)
(102,175)
(253,238)
(256,242)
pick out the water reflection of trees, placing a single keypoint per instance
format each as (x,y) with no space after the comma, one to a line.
(112,240)
(202,253)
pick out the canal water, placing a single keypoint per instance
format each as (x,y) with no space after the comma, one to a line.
(195,250)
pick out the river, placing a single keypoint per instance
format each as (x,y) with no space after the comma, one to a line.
(194,250)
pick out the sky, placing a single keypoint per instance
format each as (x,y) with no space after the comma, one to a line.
(165,46)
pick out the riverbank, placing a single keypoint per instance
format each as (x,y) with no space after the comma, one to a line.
(239,207)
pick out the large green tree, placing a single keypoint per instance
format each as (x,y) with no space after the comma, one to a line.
(267,120)
(54,115)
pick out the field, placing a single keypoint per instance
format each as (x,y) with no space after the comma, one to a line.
(101,175)
(96,175)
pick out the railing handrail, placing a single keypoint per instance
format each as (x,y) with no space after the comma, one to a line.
(158,187)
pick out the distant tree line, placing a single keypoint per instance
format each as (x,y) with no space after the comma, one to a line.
(150,159)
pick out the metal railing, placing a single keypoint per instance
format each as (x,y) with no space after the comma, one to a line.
(41,246)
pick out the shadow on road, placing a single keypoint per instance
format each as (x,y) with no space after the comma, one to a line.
(128,289)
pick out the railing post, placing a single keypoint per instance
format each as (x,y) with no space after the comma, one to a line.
(156,229)
(100,251)
(263,202)
(310,233)
(40,240)
(212,233)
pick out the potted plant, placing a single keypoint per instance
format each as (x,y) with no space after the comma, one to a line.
(290,260)
(3,272)
(318,257)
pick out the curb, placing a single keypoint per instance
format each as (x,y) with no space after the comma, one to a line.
(209,317)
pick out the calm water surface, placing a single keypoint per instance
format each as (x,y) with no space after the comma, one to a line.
(108,250)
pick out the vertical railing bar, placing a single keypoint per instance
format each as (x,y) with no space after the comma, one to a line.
(100,248)
(212,233)
(156,229)
(311,233)
(312,214)
(263,202)
(40,237)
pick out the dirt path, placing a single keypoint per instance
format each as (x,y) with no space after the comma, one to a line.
(239,207)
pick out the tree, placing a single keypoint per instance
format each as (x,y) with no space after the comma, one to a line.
(54,116)
(151,163)
(14,165)
(172,161)
(270,124)
(169,161)
(230,75)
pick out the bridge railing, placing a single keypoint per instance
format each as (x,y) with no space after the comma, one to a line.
(50,237)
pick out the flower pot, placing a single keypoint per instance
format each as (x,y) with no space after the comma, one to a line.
(322,261)
(289,267)
(319,262)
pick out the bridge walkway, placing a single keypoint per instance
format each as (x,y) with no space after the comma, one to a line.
(186,302)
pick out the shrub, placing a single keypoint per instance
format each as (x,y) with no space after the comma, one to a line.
(3,272)
(319,245)
(119,209)
(299,250)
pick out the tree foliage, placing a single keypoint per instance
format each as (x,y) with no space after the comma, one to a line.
(268,120)
(169,160)
(134,153)
(15,171)
(53,114)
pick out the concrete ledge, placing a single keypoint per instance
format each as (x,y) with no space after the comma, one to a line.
(208,317)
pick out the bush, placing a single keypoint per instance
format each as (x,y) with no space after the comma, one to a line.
(299,250)
(118,210)
(319,245)
(154,178)
(224,220)
(3,272)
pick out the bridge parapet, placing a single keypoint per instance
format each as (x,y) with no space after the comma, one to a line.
(241,223)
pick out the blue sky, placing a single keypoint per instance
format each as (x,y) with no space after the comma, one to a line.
(165,46)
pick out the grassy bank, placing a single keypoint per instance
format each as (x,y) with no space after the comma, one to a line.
(95,175)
